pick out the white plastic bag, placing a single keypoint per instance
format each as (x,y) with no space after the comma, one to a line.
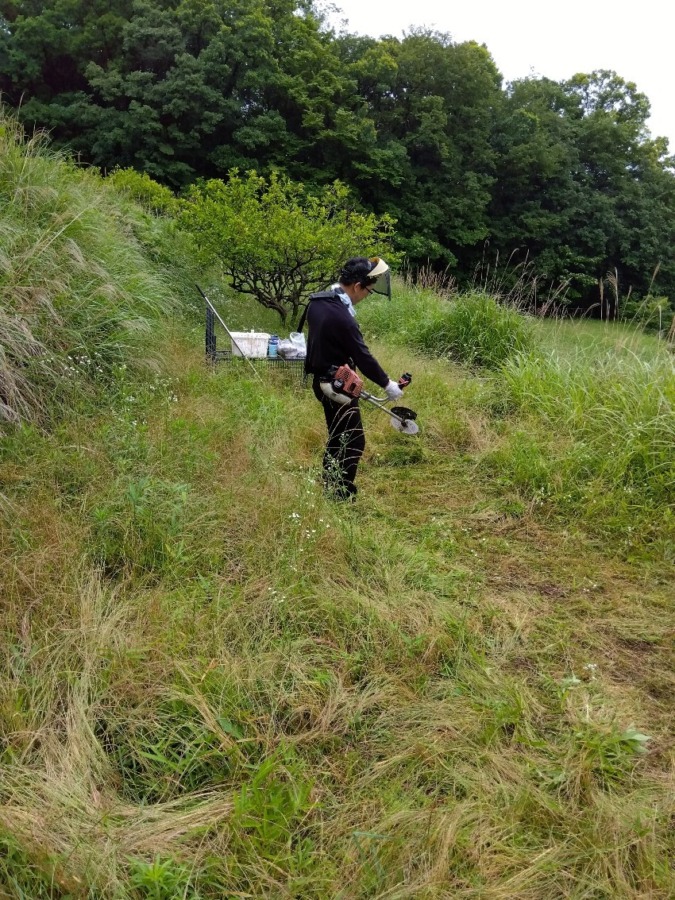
(293,347)
(298,341)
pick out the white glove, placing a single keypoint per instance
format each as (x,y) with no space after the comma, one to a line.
(393,391)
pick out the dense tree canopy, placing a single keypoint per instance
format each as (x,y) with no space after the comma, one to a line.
(564,174)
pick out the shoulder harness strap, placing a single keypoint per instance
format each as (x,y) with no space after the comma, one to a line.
(321,295)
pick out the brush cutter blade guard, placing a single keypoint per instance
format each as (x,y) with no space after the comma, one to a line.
(407,426)
(402,418)
(405,420)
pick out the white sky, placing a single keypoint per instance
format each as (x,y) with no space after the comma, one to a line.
(555,40)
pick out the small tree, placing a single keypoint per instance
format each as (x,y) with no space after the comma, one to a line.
(277,241)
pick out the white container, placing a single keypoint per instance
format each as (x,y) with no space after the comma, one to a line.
(252,344)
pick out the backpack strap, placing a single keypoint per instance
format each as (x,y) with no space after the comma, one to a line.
(321,295)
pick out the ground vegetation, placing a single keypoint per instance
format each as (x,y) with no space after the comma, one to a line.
(216,683)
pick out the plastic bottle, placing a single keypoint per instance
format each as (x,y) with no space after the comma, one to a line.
(273,346)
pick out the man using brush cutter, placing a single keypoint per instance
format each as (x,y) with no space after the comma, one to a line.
(335,348)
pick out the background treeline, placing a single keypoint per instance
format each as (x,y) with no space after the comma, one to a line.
(563,178)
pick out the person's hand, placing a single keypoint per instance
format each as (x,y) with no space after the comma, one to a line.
(393,391)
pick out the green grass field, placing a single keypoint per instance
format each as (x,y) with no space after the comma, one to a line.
(567,336)
(218,684)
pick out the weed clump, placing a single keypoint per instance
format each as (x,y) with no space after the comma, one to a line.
(478,331)
(474,329)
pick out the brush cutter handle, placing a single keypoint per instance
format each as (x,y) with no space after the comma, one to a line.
(405,380)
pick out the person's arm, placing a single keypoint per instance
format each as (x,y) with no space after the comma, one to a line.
(364,359)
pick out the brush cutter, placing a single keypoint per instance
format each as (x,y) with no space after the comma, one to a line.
(345,385)
(402,418)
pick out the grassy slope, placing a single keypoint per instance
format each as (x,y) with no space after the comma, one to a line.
(435,693)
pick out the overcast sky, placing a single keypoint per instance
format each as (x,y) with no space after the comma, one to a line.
(555,40)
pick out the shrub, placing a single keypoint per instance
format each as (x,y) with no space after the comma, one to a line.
(152,196)
(474,328)
(276,241)
(143,527)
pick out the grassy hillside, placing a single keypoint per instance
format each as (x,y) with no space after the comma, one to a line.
(85,276)
(215,683)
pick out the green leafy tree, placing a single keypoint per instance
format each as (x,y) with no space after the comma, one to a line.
(537,198)
(564,175)
(582,190)
(275,240)
(431,165)
(176,88)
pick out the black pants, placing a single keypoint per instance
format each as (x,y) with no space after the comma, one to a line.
(346,443)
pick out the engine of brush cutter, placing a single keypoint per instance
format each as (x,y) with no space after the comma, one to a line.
(344,385)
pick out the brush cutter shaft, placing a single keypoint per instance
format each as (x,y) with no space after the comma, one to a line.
(407,417)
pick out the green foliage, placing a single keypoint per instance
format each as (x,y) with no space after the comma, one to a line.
(152,196)
(611,753)
(161,879)
(28,877)
(582,192)
(165,752)
(471,328)
(275,240)
(561,174)
(78,295)
(652,313)
(478,330)
(431,164)
(142,526)
(612,415)
(271,806)
(175,90)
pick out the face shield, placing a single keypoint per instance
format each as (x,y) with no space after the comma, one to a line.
(379,278)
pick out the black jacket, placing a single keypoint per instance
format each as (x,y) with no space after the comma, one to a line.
(334,338)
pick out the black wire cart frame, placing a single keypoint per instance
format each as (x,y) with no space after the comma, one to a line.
(215,355)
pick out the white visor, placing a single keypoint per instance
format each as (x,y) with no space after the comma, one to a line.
(381,273)
(380,267)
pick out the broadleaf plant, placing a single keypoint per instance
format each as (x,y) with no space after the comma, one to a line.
(276,240)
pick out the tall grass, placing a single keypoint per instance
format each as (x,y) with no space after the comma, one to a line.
(620,415)
(601,442)
(472,328)
(78,294)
